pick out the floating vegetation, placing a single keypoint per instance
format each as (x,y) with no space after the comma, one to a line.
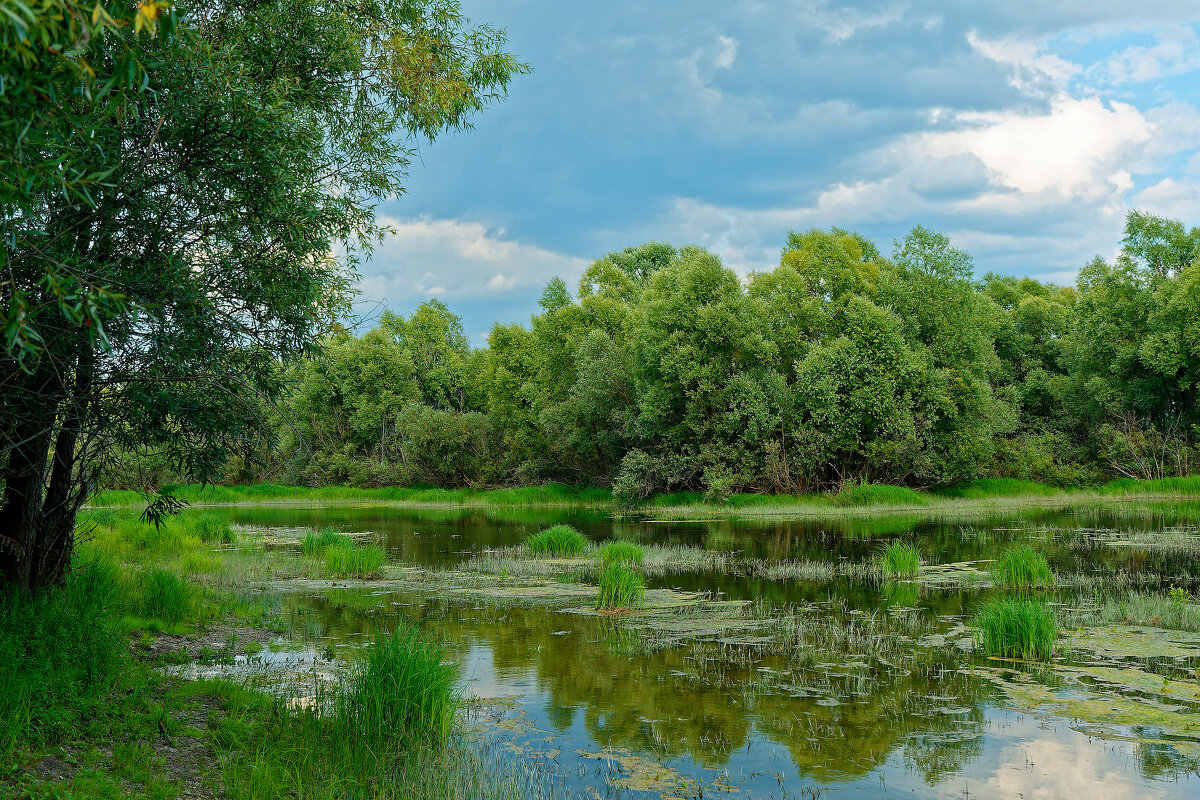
(558,540)
(1009,628)
(1021,565)
(620,588)
(900,560)
(626,552)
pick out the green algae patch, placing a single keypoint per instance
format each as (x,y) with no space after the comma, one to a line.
(959,573)
(1134,641)
(641,774)
(1092,698)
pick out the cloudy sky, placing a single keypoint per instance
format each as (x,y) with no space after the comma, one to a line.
(1024,129)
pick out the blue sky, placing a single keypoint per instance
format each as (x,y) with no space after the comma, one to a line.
(1025,130)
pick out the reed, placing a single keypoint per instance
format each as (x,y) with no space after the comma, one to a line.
(900,560)
(559,540)
(1010,628)
(620,588)
(1021,565)
(621,552)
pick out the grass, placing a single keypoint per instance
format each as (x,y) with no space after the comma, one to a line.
(900,560)
(1011,628)
(315,543)
(983,488)
(402,690)
(620,588)
(1021,565)
(625,552)
(1173,609)
(557,541)
(343,557)
(872,494)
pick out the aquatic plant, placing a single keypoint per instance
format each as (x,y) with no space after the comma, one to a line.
(1021,565)
(1011,628)
(620,587)
(627,552)
(315,543)
(900,560)
(559,540)
(872,494)
(348,559)
(402,690)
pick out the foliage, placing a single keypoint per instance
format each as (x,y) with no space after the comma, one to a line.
(620,588)
(1008,628)
(1021,565)
(900,560)
(185,203)
(557,540)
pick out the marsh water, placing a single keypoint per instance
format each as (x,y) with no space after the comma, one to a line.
(611,717)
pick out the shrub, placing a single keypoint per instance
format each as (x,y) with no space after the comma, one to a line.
(1008,628)
(900,560)
(626,552)
(620,587)
(402,690)
(560,540)
(1022,566)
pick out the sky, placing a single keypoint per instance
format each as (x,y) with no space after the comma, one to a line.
(1025,130)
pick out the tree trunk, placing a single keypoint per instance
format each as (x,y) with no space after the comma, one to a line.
(20,515)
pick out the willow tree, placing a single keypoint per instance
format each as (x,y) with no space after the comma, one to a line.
(188,196)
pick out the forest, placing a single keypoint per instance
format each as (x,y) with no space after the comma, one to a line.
(665,371)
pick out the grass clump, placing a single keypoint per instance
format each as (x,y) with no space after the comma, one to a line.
(620,588)
(348,559)
(900,560)
(559,540)
(1022,566)
(316,543)
(402,691)
(167,596)
(621,552)
(1009,628)
(873,494)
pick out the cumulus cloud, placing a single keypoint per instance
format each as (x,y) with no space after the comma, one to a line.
(456,260)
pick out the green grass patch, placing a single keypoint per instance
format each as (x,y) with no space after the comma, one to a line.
(900,559)
(315,543)
(558,541)
(1189,485)
(1021,565)
(349,559)
(620,588)
(1009,628)
(876,494)
(621,552)
(402,690)
(983,488)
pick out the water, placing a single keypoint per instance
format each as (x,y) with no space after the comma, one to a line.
(610,716)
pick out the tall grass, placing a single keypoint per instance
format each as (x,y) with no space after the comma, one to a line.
(315,543)
(60,653)
(343,557)
(402,691)
(620,588)
(626,552)
(1021,565)
(166,596)
(900,560)
(981,488)
(1010,628)
(872,494)
(559,540)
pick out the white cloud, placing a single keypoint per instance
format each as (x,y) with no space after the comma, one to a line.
(1033,70)
(1176,50)
(456,259)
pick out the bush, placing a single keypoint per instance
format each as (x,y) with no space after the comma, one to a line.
(900,560)
(624,552)
(1008,628)
(402,691)
(1022,566)
(620,587)
(559,540)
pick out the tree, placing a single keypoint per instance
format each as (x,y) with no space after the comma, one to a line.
(216,204)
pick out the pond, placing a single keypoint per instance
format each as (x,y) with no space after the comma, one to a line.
(618,707)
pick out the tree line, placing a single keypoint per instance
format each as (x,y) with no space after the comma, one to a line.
(666,371)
